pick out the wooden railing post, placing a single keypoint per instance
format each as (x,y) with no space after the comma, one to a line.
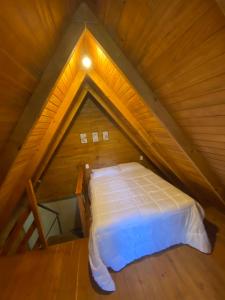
(79,192)
(17,238)
(33,206)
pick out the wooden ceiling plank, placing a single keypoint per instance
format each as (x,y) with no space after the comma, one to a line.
(84,18)
(178,177)
(123,65)
(68,117)
(67,121)
(45,143)
(38,99)
(127,131)
(99,82)
(55,124)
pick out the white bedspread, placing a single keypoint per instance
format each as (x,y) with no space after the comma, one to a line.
(136,213)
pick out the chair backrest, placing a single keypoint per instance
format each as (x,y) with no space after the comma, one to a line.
(27,221)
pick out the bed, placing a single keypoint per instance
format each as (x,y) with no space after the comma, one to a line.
(137,213)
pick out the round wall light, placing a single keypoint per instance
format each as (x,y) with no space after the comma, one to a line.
(86,62)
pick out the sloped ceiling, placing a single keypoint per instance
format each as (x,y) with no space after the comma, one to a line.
(29,34)
(165,151)
(58,180)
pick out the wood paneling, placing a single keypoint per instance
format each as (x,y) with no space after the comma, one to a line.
(29,34)
(40,136)
(60,177)
(60,69)
(154,132)
(14,237)
(179,51)
(177,47)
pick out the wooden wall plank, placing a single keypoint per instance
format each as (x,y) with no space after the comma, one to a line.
(182,62)
(122,123)
(68,117)
(110,94)
(29,34)
(37,143)
(42,91)
(60,177)
(157,108)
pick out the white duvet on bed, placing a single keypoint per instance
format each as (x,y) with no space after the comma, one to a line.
(136,213)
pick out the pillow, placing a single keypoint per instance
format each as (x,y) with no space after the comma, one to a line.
(109,171)
(130,166)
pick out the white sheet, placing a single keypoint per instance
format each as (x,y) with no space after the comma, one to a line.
(137,213)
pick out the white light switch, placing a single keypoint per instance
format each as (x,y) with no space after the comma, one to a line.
(95,137)
(86,166)
(141,157)
(105,135)
(83,138)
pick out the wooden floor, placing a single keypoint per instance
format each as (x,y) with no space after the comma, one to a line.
(61,272)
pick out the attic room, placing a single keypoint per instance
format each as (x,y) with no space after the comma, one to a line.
(112,149)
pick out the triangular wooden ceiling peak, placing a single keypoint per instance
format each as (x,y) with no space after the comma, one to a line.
(65,79)
(121,117)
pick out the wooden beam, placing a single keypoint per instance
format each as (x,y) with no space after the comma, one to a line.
(131,134)
(55,124)
(43,147)
(84,18)
(67,119)
(38,99)
(147,139)
(154,152)
(125,67)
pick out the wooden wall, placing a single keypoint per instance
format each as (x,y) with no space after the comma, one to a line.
(29,34)
(171,156)
(59,179)
(39,138)
(177,46)
(179,49)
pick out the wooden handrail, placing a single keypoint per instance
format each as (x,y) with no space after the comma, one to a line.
(17,238)
(33,206)
(15,232)
(80,181)
(79,193)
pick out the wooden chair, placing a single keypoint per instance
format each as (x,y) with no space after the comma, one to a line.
(17,239)
(82,198)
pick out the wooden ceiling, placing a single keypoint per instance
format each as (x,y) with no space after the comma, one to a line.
(177,47)
(58,180)
(29,33)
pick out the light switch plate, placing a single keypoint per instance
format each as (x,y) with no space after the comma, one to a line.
(87,166)
(141,157)
(83,138)
(95,138)
(105,135)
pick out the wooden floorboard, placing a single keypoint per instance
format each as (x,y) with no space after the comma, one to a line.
(62,272)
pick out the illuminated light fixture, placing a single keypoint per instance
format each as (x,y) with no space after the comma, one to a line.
(86,62)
